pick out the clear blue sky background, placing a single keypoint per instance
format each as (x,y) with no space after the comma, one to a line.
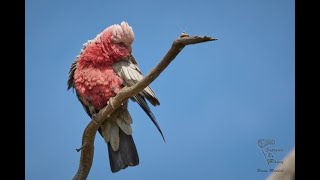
(217,98)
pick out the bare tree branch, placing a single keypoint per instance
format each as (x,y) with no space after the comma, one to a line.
(127,92)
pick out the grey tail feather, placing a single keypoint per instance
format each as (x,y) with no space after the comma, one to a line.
(125,156)
(143,104)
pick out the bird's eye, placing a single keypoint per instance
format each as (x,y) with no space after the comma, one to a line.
(121,44)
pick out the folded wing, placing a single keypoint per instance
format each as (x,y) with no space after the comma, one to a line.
(130,73)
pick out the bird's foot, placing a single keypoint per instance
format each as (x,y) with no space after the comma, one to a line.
(94,117)
(110,102)
(92,111)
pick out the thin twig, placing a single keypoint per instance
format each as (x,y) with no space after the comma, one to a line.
(127,92)
(79,149)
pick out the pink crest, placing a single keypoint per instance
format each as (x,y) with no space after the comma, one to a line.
(122,33)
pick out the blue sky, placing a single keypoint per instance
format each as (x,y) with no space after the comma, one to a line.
(217,98)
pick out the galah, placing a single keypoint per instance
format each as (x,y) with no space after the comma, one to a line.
(104,66)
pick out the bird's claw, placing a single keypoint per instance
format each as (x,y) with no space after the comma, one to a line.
(110,102)
(94,117)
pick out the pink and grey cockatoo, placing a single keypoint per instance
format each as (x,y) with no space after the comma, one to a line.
(104,66)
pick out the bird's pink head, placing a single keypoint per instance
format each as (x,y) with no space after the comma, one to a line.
(122,33)
(111,45)
(117,40)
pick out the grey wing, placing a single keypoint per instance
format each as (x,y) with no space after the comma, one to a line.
(71,74)
(131,75)
(71,85)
